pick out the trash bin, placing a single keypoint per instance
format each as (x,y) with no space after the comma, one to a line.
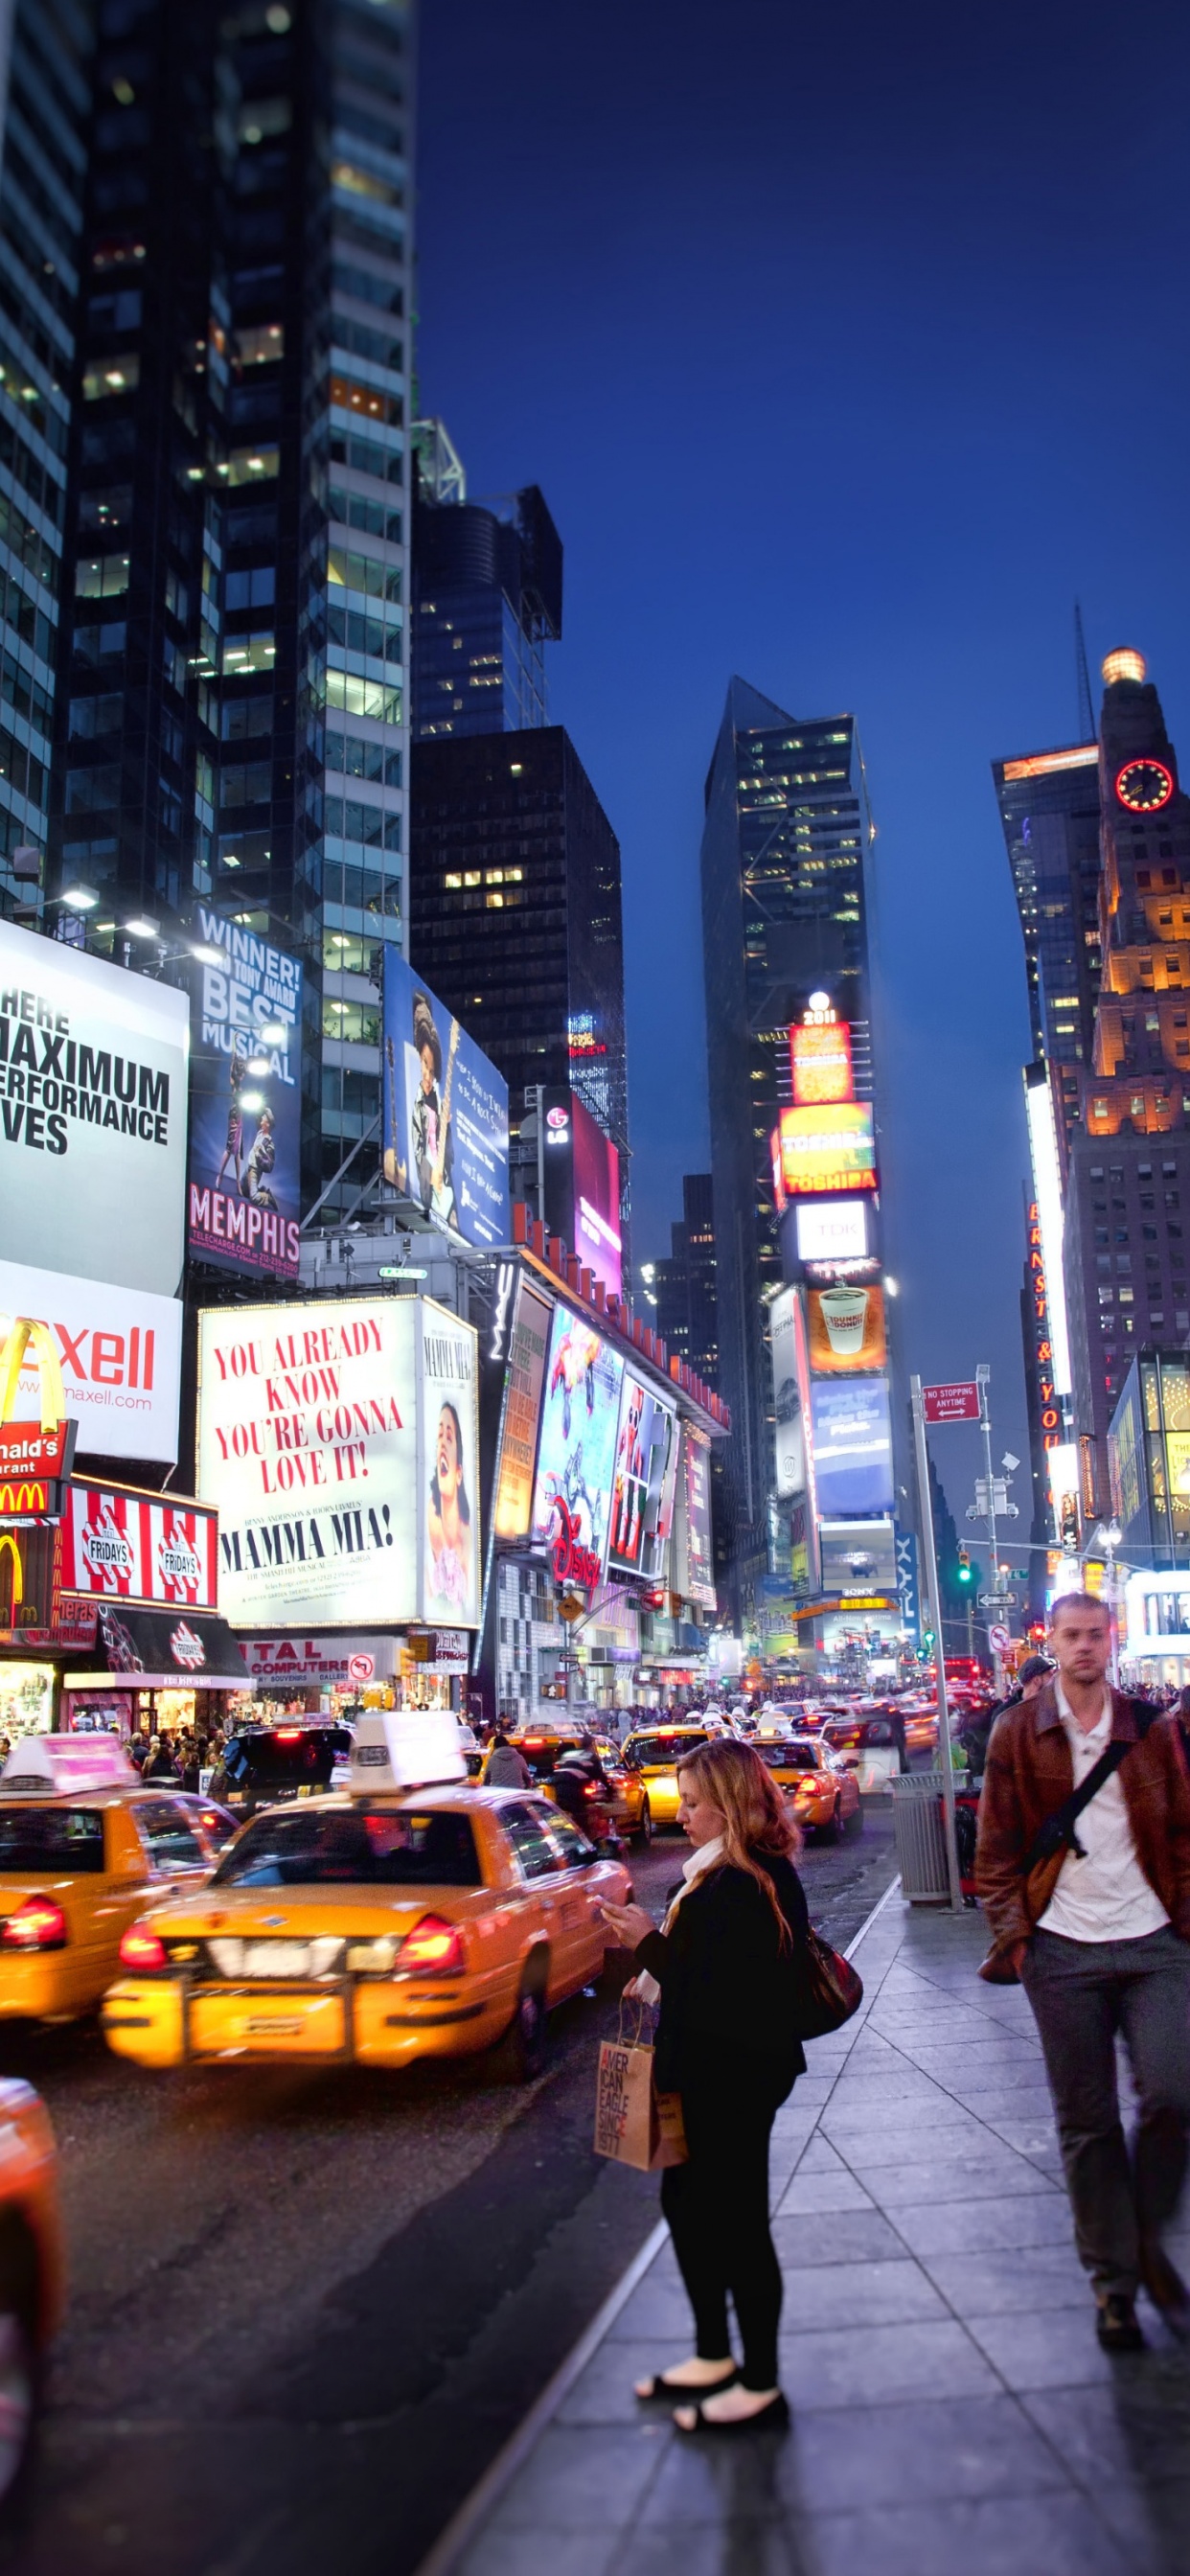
(919,1837)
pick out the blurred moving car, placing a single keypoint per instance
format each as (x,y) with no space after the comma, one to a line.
(216,1824)
(871,1748)
(263,1766)
(626,1800)
(652,1756)
(83,1850)
(823,1792)
(375,1930)
(31,2268)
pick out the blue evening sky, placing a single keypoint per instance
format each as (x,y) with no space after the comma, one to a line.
(848,344)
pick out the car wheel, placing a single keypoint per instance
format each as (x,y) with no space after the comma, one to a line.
(830,1831)
(520,2055)
(855,1823)
(644,1830)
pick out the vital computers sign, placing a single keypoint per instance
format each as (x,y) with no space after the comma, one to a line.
(245,1116)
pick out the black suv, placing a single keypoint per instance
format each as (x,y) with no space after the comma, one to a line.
(263,1766)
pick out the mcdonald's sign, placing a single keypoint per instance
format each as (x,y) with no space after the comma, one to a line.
(35,1458)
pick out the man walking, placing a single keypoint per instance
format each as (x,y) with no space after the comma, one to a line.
(1083,1869)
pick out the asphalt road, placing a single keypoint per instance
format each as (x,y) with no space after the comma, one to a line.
(306,2309)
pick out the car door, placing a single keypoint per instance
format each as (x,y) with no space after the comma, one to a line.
(558,1905)
(171,1839)
(582,1885)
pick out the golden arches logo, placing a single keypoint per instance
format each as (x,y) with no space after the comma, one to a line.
(27,1334)
(9,1547)
(23,1502)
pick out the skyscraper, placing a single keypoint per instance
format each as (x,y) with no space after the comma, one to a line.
(685,1281)
(1049,808)
(44,104)
(232,720)
(486,599)
(786,898)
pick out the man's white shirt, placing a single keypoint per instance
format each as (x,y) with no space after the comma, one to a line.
(1105,1897)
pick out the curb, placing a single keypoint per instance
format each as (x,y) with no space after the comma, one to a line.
(444,2557)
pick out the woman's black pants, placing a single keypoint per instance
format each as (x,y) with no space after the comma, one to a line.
(717,2208)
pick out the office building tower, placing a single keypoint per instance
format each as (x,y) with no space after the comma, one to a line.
(684,1282)
(1049,808)
(486,599)
(786,897)
(1128,1185)
(232,720)
(44,108)
(515,921)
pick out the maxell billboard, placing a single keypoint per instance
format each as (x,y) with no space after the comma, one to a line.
(245,1104)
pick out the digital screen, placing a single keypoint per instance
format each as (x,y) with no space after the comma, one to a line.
(820,1052)
(827,1149)
(832,1233)
(528,1344)
(244,1198)
(638,1540)
(580,1419)
(789,1439)
(694,1561)
(444,1112)
(852,1429)
(846,1330)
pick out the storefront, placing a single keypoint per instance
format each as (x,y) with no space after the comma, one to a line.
(334,1674)
(1155,1630)
(159,1672)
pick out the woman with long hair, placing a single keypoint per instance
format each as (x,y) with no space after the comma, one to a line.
(729,1970)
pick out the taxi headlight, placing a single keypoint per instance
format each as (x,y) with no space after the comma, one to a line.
(372,1958)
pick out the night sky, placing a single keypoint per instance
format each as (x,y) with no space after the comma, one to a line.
(848,344)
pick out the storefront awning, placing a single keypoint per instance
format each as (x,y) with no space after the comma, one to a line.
(164,1650)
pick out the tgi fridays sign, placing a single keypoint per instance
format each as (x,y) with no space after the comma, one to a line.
(122,1547)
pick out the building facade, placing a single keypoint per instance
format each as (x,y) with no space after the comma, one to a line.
(1049,809)
(486,600)
(684,1281)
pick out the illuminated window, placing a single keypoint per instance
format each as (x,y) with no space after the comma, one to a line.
(452,881)
(107,376)
(260,344)
(495,903)
(493,876)
(471,877)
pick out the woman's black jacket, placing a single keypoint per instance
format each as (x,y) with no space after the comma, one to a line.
(728,1988)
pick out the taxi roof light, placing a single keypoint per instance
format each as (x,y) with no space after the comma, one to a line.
(38,1924)
(65,1763)
(406,1749)
(433,1944)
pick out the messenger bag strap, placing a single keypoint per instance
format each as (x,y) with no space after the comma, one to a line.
(1058,1830)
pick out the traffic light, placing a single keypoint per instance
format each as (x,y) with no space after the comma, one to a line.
(966,1571)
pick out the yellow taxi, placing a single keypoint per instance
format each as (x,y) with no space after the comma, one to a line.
(31,2267)
(406,1921)
(823,1793)
(626,1798)
(653,1755)
(84,1849)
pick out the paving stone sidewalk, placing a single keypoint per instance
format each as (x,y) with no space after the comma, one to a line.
(953,2414)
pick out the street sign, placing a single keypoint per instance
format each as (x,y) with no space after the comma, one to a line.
(957,1402)
(997,1600)
(999,1640)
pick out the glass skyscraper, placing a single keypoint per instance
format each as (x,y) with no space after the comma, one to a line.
(1049,808)
(487,598)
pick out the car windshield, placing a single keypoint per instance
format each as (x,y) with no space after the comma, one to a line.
(285,1757)
(354,1847)
(665,1749)
(50,1838)
(794,1755)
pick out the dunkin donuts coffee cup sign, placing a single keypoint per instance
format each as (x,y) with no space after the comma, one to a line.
(846,1331)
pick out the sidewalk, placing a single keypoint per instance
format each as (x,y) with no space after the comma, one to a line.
(953,2414)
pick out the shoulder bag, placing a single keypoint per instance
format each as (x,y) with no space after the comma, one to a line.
(834,1990)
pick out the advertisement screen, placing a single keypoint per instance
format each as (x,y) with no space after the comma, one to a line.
(118,1546)
(121,1356)
(821,1150)
(337,1441)
(820,1053)
(837,1232)
(789,1441)
(638,1540)
(93,1065)
(596,1199)
(580,1419)
(444,1112)
(846,1330)
(852,1446)
(694,1562)
(244,1198)
(528,1344)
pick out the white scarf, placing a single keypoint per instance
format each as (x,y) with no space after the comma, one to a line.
(707,1854)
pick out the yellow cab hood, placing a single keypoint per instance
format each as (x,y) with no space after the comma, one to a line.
(303,1910)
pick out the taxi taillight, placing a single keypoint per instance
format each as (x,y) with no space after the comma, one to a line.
(142,1949)
(433,1944)
(38,1924)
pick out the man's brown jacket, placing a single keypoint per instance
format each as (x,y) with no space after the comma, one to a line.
(1030,1773)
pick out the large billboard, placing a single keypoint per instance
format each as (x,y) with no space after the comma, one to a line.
(642,1495)
(582,1186)
(244,1199)
(789,1438)
(852,1430)
(818,1151)
(93,1065)
(576,1453)
(121,1355)
(120,1546)
(528,1343)
(694,1561)
(338,1441)
(846,1330)
(444,1112)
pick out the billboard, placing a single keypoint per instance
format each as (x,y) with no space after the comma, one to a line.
(582,1186)
(820,1057)
(642,1495)
(93,1065)
(836,1231)
(818,1151)
(119,1546)
(580,1419)
(338,1441)
(121,1354)
(444,1112)
(846,1330)
(852,1430)
(694,1560)
(528,1344)
(244,1196)
(789,1440)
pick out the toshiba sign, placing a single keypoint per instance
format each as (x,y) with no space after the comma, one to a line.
(121,1357)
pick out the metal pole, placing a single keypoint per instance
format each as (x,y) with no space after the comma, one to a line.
(982,1379)
(931,1572)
